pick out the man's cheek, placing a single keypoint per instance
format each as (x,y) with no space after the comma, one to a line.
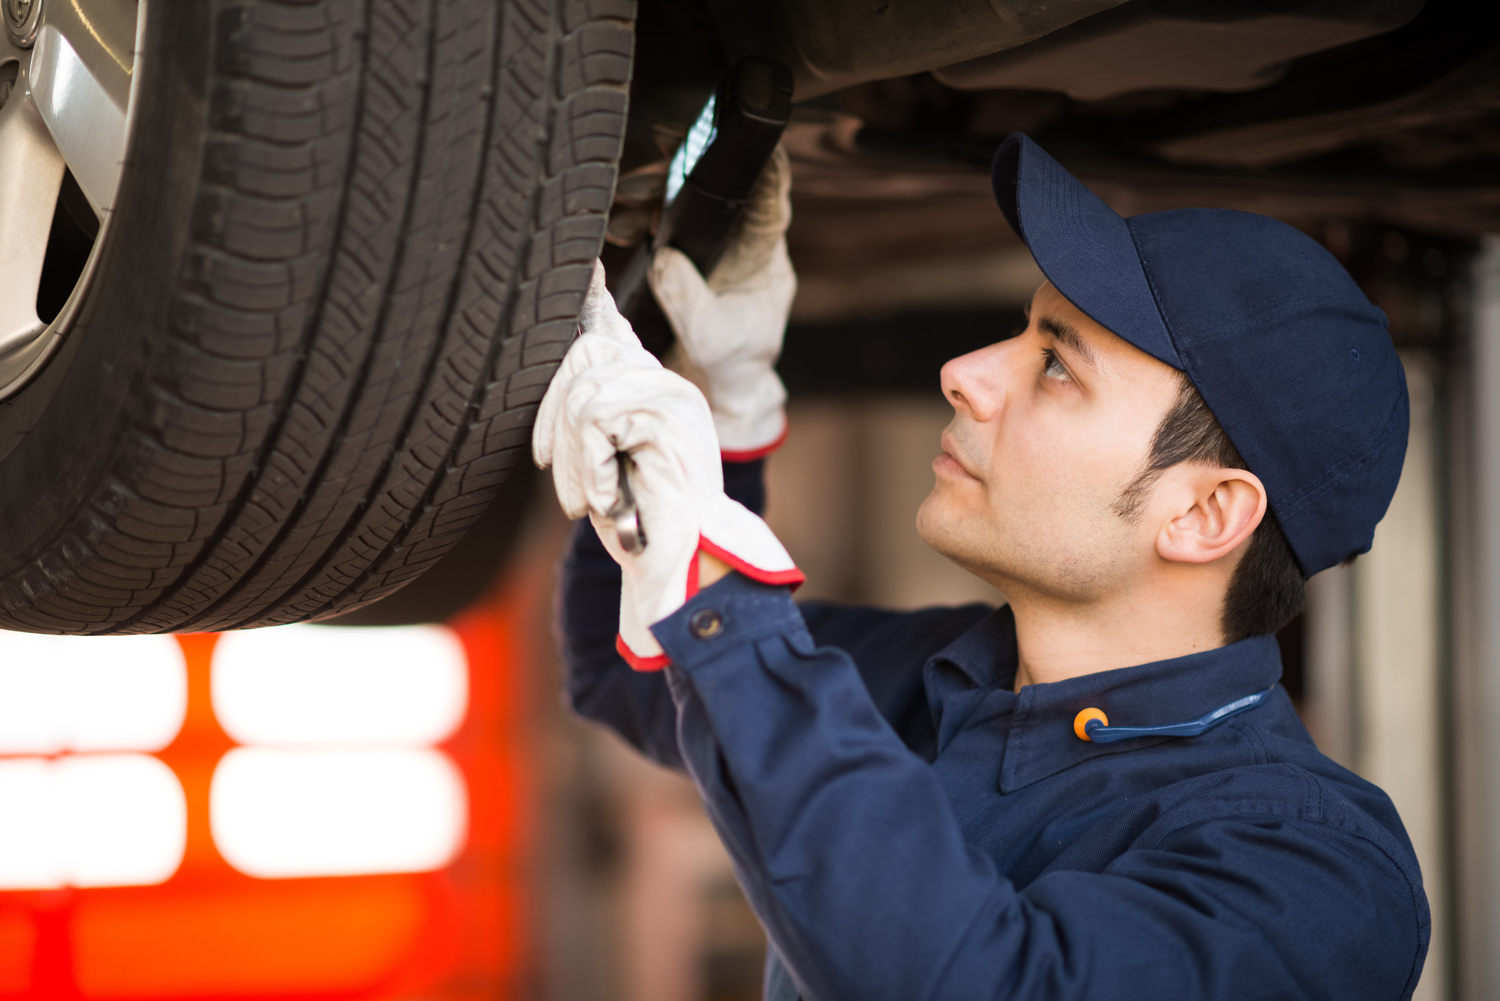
(1114,451)
(1031,449)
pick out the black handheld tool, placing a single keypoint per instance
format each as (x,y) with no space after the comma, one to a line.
(709,183)
(710,178)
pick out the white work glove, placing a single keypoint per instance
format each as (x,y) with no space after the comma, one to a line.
(610,395)
(731,326)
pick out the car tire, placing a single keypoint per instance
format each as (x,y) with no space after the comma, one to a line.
(348,250)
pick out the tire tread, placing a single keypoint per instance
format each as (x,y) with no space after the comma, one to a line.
(399,207)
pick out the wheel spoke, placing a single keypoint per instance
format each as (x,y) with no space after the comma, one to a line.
(79,78)
(31,173)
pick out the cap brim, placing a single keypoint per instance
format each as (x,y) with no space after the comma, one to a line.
(1082,245)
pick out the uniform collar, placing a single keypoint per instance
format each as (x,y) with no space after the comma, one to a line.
(1041,741)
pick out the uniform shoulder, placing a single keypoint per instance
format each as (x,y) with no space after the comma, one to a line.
(919,633)
(1299,785)
(1335,794)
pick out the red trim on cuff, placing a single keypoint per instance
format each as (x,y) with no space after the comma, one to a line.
(792,578)
(750,455)
(656,663)
(692,575)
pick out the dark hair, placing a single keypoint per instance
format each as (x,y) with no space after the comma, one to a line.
(1266,590)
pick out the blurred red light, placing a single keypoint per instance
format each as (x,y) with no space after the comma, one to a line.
(17,949)
(303,938)
(210,933)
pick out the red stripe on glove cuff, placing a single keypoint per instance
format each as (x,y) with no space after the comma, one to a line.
(750,455)
(693,570)
(642,664)
(792,578)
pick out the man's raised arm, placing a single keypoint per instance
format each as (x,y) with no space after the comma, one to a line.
(600,684)
(729,331)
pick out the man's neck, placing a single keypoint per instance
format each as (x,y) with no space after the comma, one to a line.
(1059,639)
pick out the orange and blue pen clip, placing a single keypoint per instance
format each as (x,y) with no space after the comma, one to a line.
(1093,725)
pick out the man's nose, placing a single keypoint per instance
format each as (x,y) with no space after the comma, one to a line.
(973,382)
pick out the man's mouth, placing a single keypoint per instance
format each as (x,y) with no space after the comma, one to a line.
(949,462)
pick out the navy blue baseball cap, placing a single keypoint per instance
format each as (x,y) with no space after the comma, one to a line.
(1291,358)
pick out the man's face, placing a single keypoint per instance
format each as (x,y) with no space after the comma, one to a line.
(1049,427)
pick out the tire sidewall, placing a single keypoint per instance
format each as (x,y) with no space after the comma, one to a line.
(61,433)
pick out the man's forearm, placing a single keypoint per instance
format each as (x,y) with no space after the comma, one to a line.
(601,686)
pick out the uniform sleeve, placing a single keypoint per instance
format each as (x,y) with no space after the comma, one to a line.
(600,685)
(850,853)
(889,650)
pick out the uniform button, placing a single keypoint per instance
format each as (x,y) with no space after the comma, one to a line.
(706,623)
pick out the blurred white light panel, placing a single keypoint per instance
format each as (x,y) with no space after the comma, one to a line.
(31,857)
(123,818)
(304,684)
(279,813)
(90,693)
(89,820)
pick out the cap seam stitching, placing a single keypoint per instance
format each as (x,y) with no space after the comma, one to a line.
(1161,311)
(1341,471)
(1291,303)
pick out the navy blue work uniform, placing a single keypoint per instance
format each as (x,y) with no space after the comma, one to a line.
(909,828)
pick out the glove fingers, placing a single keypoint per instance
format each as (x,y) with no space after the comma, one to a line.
(667,513)
(578,379)
(588,479)
(549,416)
(544,430)
(604,527)
(601,316)
(599,468)
(770,208)
(570,471)
(762,228)
(633,410)
(589,352)
(609,395)
(668,510)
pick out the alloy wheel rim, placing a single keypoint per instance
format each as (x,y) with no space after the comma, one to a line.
(70,69)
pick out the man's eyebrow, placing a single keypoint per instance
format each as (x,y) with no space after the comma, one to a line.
(1067,335)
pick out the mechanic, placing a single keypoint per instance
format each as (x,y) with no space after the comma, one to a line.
(1098,790)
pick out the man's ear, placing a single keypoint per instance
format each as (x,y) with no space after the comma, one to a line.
(1227,505)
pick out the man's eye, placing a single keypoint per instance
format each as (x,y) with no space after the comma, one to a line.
(1052,368)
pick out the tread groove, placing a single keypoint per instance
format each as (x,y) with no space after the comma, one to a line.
(365,363)
(313,322)
(430,366)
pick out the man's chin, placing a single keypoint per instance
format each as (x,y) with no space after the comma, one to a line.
(948,532)
(930,514)
(941,527)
